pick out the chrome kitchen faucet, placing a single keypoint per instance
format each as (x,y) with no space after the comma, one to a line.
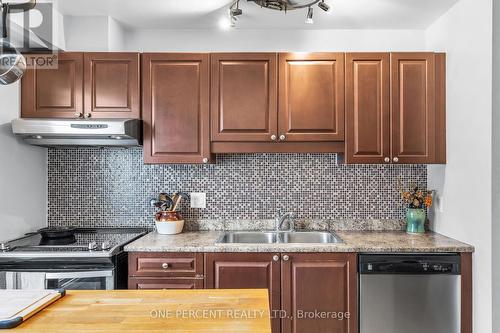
(281,218)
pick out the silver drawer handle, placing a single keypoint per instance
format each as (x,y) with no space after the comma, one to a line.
(273,137)
(286,258)
(387,160)
(282,137)
(395,159)
(205,160)
(276,257)
(165,265)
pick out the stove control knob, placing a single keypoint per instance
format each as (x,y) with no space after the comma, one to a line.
(105,246)
(92,246)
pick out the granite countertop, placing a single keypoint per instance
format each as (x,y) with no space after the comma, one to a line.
(353,241)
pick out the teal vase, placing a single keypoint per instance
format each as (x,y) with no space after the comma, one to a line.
(415,221)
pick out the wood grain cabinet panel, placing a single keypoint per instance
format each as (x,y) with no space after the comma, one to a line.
(245,271)
(176,107)
(368,123)
(413,107)
(244,96)
(319,283)
(165,264)
(311,97)
(112,85)
(54,93)
(164,283)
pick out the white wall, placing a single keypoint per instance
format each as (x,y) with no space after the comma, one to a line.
(116,35)
(23,175)
(465,33)
(496,168)
(86,33)
(274,40)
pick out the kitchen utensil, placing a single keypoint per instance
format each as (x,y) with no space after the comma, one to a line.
(179,196)
(12,63)
(175,199)
(19,305)
(57,232)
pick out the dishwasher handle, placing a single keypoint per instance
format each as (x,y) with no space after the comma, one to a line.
(409,264)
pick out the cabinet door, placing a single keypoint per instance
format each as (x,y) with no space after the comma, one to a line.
(54,93)
(245,271)
(413,107)
(368,118)
(176,107)
(244,96)
(311,97)
(112,85)
(317,289)
(173,283)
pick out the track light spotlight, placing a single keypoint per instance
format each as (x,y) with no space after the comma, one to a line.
(309,19)
(323,5)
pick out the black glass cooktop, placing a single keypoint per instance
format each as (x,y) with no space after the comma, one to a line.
(98,239)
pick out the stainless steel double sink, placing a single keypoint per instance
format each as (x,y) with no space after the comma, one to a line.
(272,237)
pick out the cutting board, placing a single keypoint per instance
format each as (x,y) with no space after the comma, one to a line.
(16,306)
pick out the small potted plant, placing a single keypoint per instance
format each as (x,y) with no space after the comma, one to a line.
(168,220)
(417,201)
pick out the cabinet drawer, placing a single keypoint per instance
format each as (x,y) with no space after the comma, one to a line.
(166,264)
(165,283)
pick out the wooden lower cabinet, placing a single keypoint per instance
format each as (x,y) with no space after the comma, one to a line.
(246,271)
(306,287)
(319,293)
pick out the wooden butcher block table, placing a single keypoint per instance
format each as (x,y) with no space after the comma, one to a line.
(154,311)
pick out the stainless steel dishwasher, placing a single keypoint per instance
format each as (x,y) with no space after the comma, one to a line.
(410,293)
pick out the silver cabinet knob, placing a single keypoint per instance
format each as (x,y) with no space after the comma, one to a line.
(88,115)
(286,258)
(165,265)
(387,160)
(78,115)
(205,160)
(276,257)
(395,159)
(282,137)
(273,137)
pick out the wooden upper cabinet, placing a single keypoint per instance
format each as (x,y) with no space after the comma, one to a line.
(244,96)
(319,282)
(368,123)
(176,107)
(311,97)
(245,271)
(54,93)
(112,85)
(413,107)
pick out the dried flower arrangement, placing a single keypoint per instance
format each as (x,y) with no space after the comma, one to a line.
(416,197)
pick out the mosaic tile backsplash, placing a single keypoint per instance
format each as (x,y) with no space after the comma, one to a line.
(100,187)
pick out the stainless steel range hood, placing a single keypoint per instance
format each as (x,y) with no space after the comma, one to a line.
(79,132)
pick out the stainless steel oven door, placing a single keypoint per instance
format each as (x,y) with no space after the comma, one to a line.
(76,280)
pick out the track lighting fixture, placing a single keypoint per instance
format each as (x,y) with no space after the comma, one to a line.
(309,19)
(323,5)
(279,5)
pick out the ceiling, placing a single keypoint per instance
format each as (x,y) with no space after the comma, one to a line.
(206,14)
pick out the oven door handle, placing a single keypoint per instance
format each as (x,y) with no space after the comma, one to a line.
(78,275)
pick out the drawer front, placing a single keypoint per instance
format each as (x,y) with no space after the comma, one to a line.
(164,283)
(166,264)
